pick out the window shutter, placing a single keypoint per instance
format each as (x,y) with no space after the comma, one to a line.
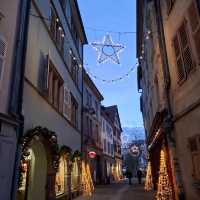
(179,60)
(194,20)
(67,103)
(185,47)
(61,98)
(43,74)
(2,56)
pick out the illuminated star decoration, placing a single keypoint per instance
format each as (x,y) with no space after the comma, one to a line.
(108,50)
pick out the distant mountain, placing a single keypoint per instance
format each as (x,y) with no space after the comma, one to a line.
(132,133)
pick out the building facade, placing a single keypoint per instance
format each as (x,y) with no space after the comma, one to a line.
(113,115)
(108,146)
(50,166)
(168,76)
(91,128)
(11,120)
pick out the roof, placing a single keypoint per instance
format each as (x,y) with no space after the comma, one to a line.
(91,85)
(111,111)
(81,22)
(139,18)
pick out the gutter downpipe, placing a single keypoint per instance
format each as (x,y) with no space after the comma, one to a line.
(168,125)
(17,85)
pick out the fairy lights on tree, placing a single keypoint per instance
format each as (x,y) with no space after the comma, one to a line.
(88,187)
(148,181)
(164,191)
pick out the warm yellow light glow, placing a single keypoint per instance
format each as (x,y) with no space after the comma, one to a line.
(88,187)
(148,181)
(164,187)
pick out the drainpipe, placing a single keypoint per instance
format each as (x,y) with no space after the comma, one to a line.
(17,85)
(198,5)
(168,121)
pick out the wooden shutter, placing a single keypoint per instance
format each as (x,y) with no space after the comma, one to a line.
(61,98)
(179,60)
(185,47)
(43,74)
(194,20)
(2,56)
(67,103)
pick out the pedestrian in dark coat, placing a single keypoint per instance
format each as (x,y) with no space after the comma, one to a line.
(129,175)
(139,176)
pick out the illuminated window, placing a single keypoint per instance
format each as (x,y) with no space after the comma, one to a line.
(75,175)
(61,177)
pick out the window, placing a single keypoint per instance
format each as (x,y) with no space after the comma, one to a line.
(2,57)
(89,99)
(74,111)
(194,20)
(57,31)
(183,52)
(194,144)
(74,68)
(75,34)
(90,128)
(63,4)
(67,103)
(55,87)
(104,146)
(96,107)
(170,4)
(87,126)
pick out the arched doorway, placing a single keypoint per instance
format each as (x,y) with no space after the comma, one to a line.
(38,165)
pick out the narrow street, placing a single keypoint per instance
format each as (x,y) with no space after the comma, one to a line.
(120,191)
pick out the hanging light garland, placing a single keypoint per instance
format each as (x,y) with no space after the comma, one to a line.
(121,78)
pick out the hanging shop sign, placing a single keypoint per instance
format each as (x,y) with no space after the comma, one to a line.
(92,154)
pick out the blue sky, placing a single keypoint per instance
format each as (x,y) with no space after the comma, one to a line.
(117,16)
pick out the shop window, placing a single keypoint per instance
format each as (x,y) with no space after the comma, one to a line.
(61,177)
(75,176)
(183,53)
(194,144)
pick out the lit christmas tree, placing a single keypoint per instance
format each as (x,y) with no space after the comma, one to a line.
(148,180)
(88,187)
(164,187)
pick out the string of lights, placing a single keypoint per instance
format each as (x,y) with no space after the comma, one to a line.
(120,78)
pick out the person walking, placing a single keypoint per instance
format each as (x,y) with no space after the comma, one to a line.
(129,175)
(139,176)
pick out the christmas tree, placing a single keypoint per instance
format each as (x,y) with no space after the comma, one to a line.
(148,181)
(88,187)
(164,187)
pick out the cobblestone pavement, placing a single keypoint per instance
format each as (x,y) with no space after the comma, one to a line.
(120,191)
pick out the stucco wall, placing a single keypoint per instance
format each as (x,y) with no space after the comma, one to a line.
(185,128)
(48,117)
(7,31)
